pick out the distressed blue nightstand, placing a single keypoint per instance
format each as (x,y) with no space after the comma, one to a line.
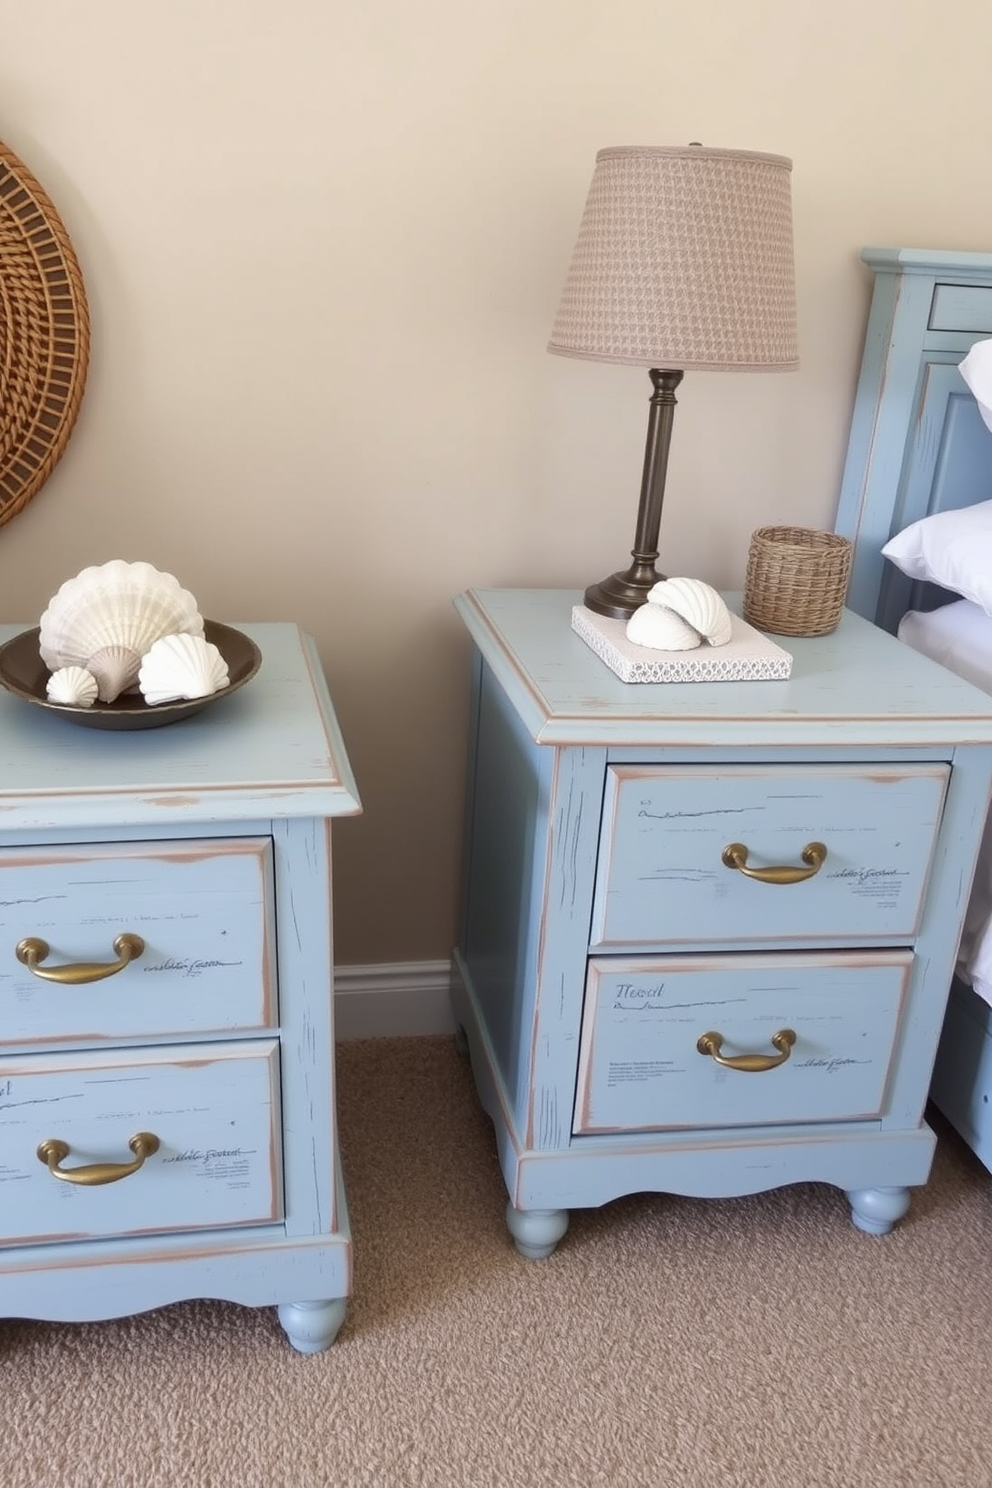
(709,929)
(167,1114)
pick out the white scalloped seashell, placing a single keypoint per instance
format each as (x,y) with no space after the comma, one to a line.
(109,615)
(181,666)
(699,605)
(660,628)
(73,685)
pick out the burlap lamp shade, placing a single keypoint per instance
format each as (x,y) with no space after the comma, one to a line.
(684,262)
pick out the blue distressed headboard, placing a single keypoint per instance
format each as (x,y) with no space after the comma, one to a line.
(918,444)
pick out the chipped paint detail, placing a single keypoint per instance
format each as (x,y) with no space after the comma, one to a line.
(174,802)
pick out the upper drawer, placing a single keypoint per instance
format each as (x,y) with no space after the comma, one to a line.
(212,1114)
(961,307)
(662,880)
(204,910)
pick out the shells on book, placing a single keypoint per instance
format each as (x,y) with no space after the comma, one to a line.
(181,666)
(108,616)
(698,604)
(660,628)
(72,685)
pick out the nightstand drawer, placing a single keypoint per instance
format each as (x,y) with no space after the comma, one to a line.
(214,1111)
(663,879)
(641,1068)
(204,910)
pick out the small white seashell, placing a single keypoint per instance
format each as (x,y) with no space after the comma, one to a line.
(699,605)
(660,628)
(73,685)
(181,666)
(107,617)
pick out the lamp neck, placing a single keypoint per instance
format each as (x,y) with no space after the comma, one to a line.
(623,593)
(661,417)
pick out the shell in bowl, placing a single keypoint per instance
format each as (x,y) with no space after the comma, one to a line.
(72,685)
(660,628)
(181,666)
(698,604)
(108,616)
(23,673)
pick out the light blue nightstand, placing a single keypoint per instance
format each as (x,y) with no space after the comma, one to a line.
(167,1115)
(650,1007)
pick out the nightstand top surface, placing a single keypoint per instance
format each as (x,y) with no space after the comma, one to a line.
(273,749)
(859,686)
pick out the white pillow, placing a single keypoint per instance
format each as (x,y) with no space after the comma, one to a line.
(952,549)
(976,369)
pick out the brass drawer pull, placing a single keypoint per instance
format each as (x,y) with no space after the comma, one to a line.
(814,854)
(752,1064)
(52,1152)
(32,951)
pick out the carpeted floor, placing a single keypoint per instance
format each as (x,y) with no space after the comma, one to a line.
(668,1342)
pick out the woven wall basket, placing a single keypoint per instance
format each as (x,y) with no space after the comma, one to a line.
(44,336)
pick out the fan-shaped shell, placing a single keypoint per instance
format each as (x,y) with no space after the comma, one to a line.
(73,685)
(109,615)
(660,628)
(699,605)
(181,666)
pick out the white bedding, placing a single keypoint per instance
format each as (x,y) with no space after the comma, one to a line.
(959,636)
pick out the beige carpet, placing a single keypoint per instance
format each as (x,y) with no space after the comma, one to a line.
(668,1342)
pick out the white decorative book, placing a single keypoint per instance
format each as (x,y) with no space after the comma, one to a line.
(749,656)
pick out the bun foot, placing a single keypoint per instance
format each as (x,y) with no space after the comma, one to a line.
(536,1232)
(312,1327)
(876,1210)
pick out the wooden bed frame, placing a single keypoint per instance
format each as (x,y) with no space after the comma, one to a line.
(918,445)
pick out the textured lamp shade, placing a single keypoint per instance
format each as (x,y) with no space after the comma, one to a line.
(683,263)
(684,259)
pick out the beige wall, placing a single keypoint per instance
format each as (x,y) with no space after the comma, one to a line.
(323,243)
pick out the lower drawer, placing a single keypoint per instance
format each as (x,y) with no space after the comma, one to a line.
(642,1067)
(213,1111)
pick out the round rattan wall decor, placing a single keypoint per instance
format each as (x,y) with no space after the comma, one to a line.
(44,336)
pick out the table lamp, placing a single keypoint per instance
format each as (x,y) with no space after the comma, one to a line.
(683,262)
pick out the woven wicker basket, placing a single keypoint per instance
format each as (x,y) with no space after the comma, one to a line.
(44,335)
(797,580)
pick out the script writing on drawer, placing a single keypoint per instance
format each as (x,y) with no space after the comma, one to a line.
(203,909)
(215,1118)
(663,879)
(641,1067)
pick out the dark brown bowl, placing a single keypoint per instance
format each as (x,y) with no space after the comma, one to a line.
(23,673)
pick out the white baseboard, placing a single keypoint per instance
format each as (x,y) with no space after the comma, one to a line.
(397,999)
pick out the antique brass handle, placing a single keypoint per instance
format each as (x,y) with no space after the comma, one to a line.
(52,1152)
(32,951)
(814,854)
(752,1064)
